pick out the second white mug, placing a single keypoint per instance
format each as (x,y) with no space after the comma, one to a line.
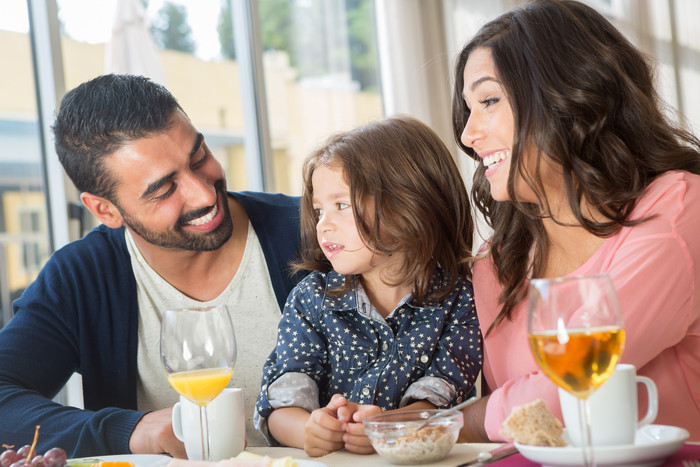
(226,416)
(614,417)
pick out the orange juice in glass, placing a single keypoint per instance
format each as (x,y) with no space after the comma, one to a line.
(201,386)
(198,351)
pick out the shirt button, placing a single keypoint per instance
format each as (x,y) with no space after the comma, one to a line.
(385,346)
(338,357)
(424,358)
(179,297)
(365,391)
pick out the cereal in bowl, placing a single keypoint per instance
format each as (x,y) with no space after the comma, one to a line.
(425,445)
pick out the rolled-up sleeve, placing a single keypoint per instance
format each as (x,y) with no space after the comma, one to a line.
(297,366)
(289,390)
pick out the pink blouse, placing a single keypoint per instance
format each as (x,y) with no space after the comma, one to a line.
(655,267)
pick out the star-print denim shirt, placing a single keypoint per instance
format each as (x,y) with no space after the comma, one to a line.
(341,344)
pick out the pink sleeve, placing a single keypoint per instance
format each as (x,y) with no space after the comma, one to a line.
(654,272)
(655,286)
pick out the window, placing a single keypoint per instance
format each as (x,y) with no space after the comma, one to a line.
(321,76)
(24,237)
(318,58)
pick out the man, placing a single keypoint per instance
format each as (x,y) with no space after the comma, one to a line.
(171,237)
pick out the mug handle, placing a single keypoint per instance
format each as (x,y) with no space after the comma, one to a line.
(177,421)
(653,397)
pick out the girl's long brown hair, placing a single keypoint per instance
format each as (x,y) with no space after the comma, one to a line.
(585,97)
(399,170)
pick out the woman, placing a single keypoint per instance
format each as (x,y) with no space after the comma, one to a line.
(579,171)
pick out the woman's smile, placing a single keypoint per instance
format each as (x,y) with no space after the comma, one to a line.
(493,160)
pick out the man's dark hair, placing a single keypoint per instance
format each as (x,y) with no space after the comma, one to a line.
(102,115)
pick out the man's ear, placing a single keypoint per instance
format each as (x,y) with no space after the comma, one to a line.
(104,210)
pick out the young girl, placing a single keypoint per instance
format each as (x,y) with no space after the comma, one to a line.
(387,321)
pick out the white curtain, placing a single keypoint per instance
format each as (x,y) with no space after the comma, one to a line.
(667,31)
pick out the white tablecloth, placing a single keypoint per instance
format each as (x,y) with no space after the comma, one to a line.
(459,454)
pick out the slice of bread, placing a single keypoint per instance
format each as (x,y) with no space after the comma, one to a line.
(533,424)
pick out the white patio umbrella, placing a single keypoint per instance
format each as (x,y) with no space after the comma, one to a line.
(131,48)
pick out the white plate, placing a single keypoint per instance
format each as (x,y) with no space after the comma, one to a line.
(302,462)
(155,460)
(652,444)
(139,460)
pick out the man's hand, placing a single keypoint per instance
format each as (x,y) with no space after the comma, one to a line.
(153,434)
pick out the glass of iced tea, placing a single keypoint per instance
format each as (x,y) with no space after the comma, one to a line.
(576,336)
(198,351)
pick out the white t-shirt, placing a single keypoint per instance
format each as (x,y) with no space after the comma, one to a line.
(254,312)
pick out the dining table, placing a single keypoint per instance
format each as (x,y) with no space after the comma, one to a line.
(462,453)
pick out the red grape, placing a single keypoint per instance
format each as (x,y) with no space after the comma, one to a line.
(55,457)
(9,457)
(24,451)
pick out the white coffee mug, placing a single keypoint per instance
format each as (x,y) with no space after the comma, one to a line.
(226,420)
(614,417)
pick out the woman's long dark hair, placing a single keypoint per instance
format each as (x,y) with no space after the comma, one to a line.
(584,96)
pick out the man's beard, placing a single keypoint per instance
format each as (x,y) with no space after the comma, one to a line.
(178,238)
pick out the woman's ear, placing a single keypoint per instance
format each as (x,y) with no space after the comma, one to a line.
(104,210)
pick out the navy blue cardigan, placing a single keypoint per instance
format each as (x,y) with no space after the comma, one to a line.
(81,315)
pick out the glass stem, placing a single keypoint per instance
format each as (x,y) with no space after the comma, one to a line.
(205,432)
(587,445)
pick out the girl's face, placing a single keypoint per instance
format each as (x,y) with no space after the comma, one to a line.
(336,229)
(490,129)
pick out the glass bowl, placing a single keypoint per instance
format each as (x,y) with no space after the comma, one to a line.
(395,438)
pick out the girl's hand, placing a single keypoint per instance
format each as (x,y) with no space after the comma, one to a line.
(323,432)
(355,438)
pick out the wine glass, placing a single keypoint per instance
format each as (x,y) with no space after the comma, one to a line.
(198,350)
(576,335)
